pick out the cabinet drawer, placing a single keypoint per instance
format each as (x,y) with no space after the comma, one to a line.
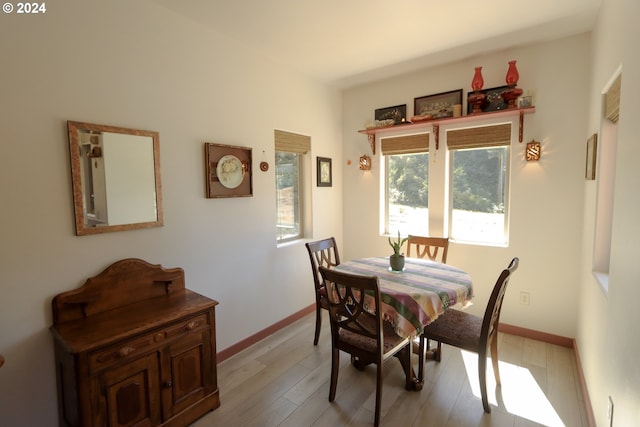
(139,345)
(110,355)
(186,326)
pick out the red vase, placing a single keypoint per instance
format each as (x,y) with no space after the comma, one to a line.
(478,81)
(512,74)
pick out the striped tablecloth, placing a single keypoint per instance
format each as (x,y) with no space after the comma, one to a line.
(415,297)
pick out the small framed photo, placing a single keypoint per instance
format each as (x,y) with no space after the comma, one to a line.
(323,169)
(397,113)
(592,150)
(228,171)
(494,100)
(437,106)
(525,101)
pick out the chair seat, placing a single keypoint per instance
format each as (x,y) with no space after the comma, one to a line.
(391,339)
(456,328)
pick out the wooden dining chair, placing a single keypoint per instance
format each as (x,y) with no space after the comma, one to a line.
(363,335)
(433,248)
(321,253)
(472,333)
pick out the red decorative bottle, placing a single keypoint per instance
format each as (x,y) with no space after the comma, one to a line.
(478,99)
(512,74)
(478,81)
(511,94)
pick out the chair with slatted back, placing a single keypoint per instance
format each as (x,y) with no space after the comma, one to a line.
(321,253)
(473,333)
(433,248)
(360,333)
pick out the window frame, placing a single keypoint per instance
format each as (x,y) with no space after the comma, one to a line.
(300,145)
(507,186)
(411,143)
(440,188)
(385,226)
(300,201)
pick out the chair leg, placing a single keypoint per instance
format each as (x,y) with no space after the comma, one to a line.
(335,366)
(421,357)
(437,354)
(482,372)
(376,421)
(494,358)
(318,323)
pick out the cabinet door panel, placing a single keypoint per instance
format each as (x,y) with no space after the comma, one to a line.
(190,374)
(130,394)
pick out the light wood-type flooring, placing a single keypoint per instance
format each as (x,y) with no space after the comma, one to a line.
(284,381)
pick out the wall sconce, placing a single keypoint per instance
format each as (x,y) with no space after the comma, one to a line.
(533,150)
(365,163)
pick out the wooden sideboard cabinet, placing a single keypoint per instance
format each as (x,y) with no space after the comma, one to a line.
(134,347)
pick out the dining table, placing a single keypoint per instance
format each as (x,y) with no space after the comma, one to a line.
(417,295)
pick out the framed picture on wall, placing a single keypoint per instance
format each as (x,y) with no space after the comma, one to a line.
(228,171)
(397,113)
(437,106)
(494,98)
(323,170)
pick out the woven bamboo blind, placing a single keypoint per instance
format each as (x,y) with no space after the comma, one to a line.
(407,144)
(486,136)
(612,101)
(291,142)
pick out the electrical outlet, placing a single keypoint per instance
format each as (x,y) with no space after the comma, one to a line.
(524,298)
(610,412)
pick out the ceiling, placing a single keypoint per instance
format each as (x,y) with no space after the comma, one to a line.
(350,42)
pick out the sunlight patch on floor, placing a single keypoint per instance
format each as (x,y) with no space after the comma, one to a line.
(521,395)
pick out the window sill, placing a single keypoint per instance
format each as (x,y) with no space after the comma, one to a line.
(287,243)
(603,280)
(487,244)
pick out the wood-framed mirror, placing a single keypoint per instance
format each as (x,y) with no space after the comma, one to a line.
(115,174)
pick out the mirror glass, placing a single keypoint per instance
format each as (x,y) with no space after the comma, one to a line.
(115,174)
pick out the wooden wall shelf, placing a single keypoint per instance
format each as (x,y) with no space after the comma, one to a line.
(435,124)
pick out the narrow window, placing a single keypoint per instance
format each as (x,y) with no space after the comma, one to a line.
(290,151)
(605,177)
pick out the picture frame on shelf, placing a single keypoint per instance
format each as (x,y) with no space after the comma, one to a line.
(494,100)
(324,172)
(525,101)
(590,164)
(228,170)
(398,113)
(439,105)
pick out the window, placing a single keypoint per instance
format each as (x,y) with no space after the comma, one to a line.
(407,184)
(478,184)
(605,176)
(464,196)
(290,150)
(478,179)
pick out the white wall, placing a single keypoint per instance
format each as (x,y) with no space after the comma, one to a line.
(608,324)
(546,197)
(138,65)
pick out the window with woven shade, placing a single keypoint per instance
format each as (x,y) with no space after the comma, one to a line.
(406,160)
(290,149)
(607,154)
(479,182)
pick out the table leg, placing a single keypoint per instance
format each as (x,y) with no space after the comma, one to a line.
(413,383)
